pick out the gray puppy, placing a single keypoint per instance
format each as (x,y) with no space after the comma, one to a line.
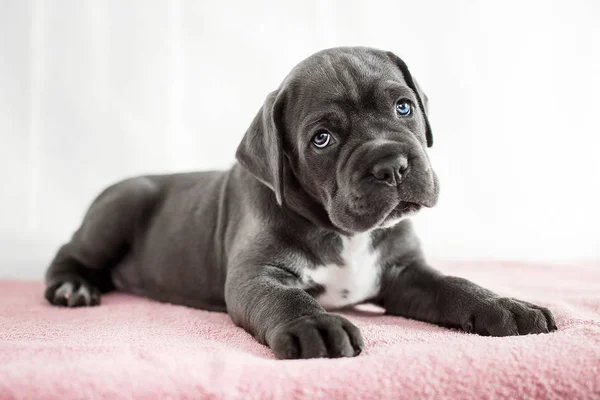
(312,218)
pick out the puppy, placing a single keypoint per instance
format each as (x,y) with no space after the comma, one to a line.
(312,218)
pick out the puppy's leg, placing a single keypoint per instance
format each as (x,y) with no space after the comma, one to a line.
(81,268)
(417,291)
(264,301)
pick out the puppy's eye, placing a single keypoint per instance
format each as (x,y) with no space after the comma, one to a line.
(321,139)
(403,108)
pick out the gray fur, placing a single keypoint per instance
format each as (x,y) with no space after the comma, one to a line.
(238,241)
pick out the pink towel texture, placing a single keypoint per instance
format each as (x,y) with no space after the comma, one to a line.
(131,347)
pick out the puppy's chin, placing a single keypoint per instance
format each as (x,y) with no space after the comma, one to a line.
(354,223)
(403,211)
(378,216)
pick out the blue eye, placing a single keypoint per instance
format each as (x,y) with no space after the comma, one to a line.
(403,108)
(321,139)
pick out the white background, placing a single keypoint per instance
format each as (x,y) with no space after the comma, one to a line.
(95,91)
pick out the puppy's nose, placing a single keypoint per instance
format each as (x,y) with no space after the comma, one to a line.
(391,170)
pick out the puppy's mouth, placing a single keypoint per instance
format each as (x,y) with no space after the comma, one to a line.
(402,210)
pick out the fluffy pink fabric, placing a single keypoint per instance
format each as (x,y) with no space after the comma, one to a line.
(131,347)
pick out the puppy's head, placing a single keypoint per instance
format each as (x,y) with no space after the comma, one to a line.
(346,132)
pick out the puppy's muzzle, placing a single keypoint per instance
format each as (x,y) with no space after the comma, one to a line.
(383,163)
(390,170)
(393,171)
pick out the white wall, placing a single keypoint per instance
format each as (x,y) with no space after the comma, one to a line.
(94,91)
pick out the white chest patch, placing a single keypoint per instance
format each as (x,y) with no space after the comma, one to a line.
(355,281)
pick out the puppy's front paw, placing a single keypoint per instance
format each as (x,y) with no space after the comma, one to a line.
(323,335)
(72,292)
(502,316)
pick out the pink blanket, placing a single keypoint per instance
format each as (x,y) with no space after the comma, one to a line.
(136,348)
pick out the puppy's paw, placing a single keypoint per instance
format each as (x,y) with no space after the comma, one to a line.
(72,292)
(502,316)
(315,336)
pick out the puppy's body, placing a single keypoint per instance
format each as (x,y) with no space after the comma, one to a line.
(337,270)
(310,219)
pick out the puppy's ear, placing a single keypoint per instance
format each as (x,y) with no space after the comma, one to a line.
(421,97)
(422,94)
(261,149)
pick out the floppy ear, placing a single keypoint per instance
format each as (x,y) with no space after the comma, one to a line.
(422,94)
(261,149)
(421,98)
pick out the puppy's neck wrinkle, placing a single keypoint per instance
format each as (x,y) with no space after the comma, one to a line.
(299,201)
(298,206)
